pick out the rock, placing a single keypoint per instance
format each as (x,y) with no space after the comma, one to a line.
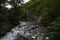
(24,34)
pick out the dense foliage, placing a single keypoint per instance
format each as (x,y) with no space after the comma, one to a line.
(9,17)
(53,29)
(49,10)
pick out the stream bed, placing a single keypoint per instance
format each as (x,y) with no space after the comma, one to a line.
(28,30)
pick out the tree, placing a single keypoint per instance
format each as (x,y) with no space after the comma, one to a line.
(9,18)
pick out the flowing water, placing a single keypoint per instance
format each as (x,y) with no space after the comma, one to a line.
(34,30)
(12,35)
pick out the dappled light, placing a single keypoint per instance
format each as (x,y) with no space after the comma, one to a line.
(8,6)
(29,19)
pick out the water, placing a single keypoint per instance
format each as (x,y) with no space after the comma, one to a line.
(12,35)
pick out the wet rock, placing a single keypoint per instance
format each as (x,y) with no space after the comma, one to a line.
(29,31)
(24,34)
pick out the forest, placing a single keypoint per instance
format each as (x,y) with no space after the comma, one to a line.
(45,13)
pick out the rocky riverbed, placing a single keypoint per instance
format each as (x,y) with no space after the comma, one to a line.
(25,31)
